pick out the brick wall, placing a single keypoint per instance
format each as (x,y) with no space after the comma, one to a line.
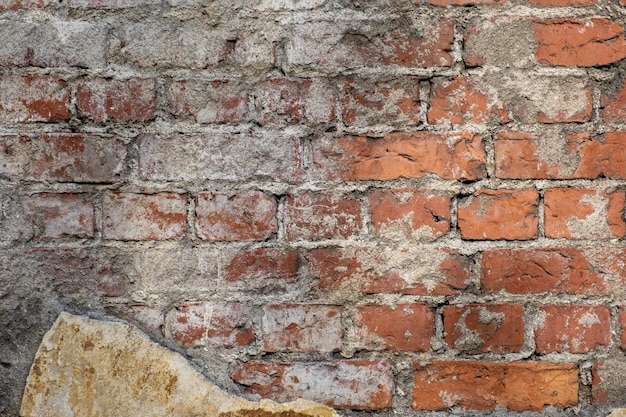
(381,205)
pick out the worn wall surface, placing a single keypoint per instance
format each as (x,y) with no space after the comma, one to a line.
(391,207)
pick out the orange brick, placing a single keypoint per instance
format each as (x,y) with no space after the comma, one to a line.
(499,214)
(483,386)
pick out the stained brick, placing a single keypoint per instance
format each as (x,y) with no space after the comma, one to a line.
(478,328)
(614,106)
(260,267)
(415,271)
(24,4)
(528,156)
(405,213)
(311,216)
(60,215)
(574,213)
(33,99)
(357,385)
(404,327)
(241,216)
(158,216)
(213,324)
(103,100)
(63,157)
(302,328)
(366,102)
(499,214)
(458,155)
(483,386)
(573,329)
(220,101)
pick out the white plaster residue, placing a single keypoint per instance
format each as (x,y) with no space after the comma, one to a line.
(595,225)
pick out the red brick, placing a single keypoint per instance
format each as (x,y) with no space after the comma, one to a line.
(408,213)
(284,101)
(563,3)
(302,328)
(551,270)
(460,100)
(404,327)
(415,271)
(104,100)
(614,106)
(576,42)
(160,216)
(62,157)
(526,156)
(240,216)
(499,214)
(193,157)
(23,4)
(33,99)
(310,216)
(60,215)
(467,2)
(483,386)
(458,155)
(213,324)
(573,213)
(335,47)
(573,329)
(478,328)
(221,101)
(367,103)
(261,267)
(357,385)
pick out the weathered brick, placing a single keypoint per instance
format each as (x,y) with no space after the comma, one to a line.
(614,106)
(104,100)
(210,323)
(458,155)
(218,156)
(62,157)
(60,215)
(477,328)
(607,384)
(357,385)
(241,216)
(499,214)
(112,4)
(159,216)
(23,4)
(483,386)
(501,42)
(415,271)
(220,101)
(330,46)
(577,42)
(147,317)
(302,328)
(311,216)
(395,102)
(284,101)
(33,99)
(260,267)
(574,213)
(550,270)
(573,329)
(467,2)
(461,100)
(576,155)
(53,43)
(563,3)
(408,213)
(289,4)
(404,327)
(193,46)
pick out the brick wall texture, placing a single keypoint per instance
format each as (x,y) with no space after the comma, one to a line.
(399,207)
